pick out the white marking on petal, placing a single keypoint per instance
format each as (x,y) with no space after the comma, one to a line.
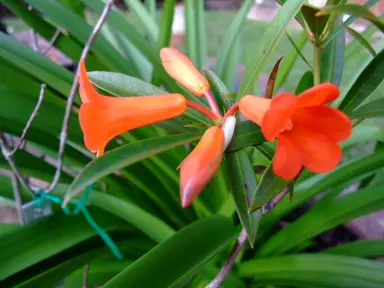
(228,129)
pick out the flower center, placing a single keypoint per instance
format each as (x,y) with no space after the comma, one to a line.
(288,126)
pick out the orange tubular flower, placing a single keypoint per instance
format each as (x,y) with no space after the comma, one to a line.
(201,165)
(181,68)
(102,117)
(306,129)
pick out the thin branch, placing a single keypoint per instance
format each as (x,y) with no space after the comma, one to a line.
(18,198)
(241,240)
(85,276)
(16,172)
(29,122)
(68,109)
(35,41)
(53,40)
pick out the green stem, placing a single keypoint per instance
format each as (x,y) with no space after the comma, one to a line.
(316,64)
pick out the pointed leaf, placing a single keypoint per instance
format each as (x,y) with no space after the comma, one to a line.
(316,24)
(361,39)
(372,109)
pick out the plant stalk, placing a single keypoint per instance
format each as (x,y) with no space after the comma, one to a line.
(316,64)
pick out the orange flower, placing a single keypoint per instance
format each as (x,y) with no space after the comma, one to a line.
(102,117)
(306,129)
(201,165)
(181,68)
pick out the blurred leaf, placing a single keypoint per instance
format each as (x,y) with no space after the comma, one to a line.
(308,189)
(360,133)
(190,31)
(271,79)
(201,43)
(361,39)
(367,82)
(74,5)
(314,270)
(229,40)
(332,58)
(166,22)
(354,10)
(48,237)
(124,156)
(321,218)
(362,248)
(246,134)
(243,186)
(316,24)
(305,83)
(218,88)
(268,44)
(269,187)
(146,21)
(232,65)
(372,109)
(290,60)
(151,7)
(170,263)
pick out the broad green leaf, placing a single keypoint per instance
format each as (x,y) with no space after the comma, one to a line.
(125,156)
(354,10)
(48,237)
(313,270)
(305,83)
(267,45)
(361,39)
(269,187)
(372,109)
(230,38)
(218,88)
(290,60)
(74,5)
(323,217)
(362,248)
(316,24)
(367,82)
(308,189)
(170,263)
(246,134)
(243,186)
(332,58)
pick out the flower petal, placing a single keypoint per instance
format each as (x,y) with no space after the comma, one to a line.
(320,153)
(278,116)
(201,165)
(318,95)
(181,68)
(254,107)
(87,92)
(327,120)
(287,162)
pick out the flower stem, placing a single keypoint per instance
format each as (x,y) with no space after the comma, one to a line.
(212,103)
(203,110)
(231,111)
(316,64)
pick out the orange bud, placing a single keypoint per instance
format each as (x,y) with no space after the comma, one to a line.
(102,117)
(181,68)
(201,165)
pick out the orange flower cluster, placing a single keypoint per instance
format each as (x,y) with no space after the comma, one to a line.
(306,129)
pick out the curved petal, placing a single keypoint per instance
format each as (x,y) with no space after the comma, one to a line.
(201,165)
(181,68)
(254,107)
(287,162)
(327,120)
(320,154)
(121,114)
(87,92)
(318,95)
(278,116)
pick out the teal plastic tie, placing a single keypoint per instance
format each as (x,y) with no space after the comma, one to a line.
(80,207)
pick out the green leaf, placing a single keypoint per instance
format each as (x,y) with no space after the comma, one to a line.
(372,109)
(201,43)
(354,10)
(166,21)
(124,156)
(170,263)
(232,64)
(269,187)
(243,186)
(229,40)
(246,134)
(268,44)
(323,217)
(362,248)
(305,83)
(190,31)
(313,270)
(332,58)
(361,39)
(74,5)
(316,24)
(367,82)
(151,7)
(218,88)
